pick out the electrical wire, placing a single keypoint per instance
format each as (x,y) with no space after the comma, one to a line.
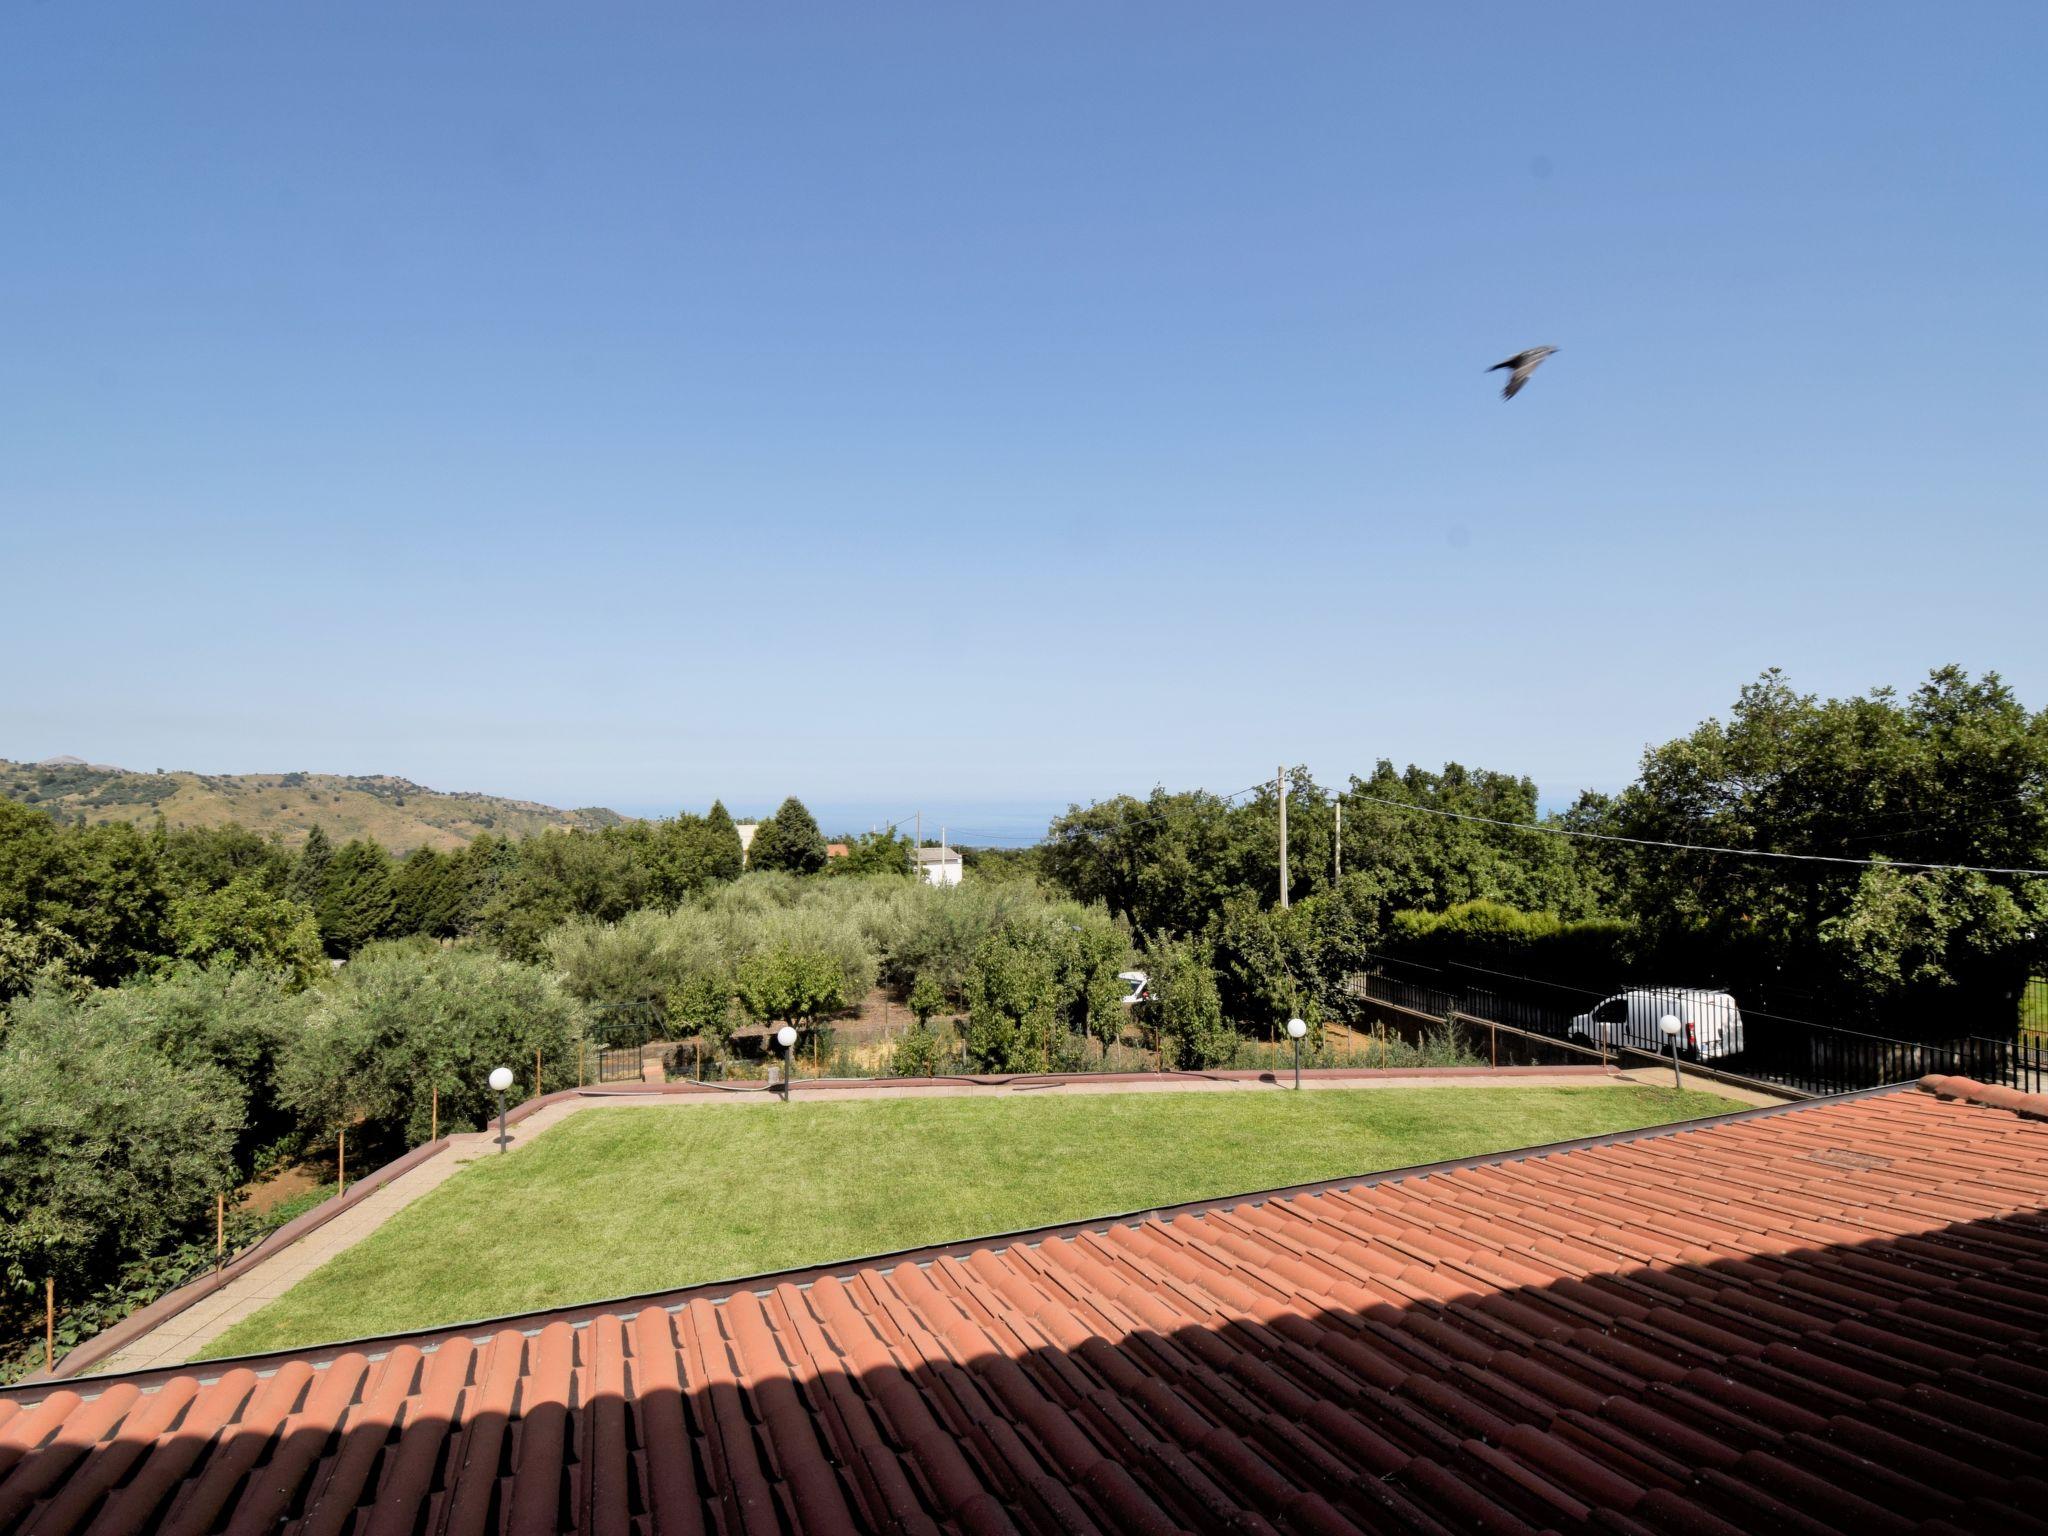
(1651,842)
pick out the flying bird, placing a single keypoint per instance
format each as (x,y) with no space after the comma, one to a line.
(1524,364)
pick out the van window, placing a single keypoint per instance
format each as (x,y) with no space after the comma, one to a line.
(1613,1011)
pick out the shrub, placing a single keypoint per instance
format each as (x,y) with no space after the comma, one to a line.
(921,1052)
(1494,935)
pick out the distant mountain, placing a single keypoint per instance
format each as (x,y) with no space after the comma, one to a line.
(398,813)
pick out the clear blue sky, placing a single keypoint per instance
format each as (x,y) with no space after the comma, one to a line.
(887,402)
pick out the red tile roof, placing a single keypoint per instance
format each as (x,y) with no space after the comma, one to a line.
(1823,1319)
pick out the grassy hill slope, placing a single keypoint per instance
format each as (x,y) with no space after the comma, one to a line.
(396,812)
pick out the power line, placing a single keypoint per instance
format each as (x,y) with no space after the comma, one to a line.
(1651,842)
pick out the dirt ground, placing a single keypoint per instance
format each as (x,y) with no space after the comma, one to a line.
(283,1186)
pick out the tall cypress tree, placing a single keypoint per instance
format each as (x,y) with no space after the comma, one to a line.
(796,843)
(724,857)
(765,849)
(309,874)
(359,902)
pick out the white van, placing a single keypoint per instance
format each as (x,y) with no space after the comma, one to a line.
(1710,1023)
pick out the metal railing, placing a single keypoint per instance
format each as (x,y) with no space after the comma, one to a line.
(1768,1048)
(615,1066)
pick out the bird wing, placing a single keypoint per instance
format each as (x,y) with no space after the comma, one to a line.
(1525,363)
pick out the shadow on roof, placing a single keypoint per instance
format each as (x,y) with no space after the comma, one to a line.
(1843,1340)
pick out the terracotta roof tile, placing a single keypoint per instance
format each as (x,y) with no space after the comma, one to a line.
(1821,1320)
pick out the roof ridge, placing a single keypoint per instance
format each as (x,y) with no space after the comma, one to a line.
(2028,1106)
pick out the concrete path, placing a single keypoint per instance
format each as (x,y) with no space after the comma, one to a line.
(181,1337)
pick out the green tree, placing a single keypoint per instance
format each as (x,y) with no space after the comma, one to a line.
(1186,1007)
(791,985)
(431,895)
(556,876)
(243,923)
(403,1019)
(227,1018)
(359,900)
(1493,936)
(1041,984)
(89,900)
(1013,1003)
(1919,937)
(630,970)
(38,956)
(108,1147)
(789,840)
(198,859)
(701,1006)
(927,997)
(1955,773)
(763,851)
(1267,965)
(308,878)
(725,859)
(875,853)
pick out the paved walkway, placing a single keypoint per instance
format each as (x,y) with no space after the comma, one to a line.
(185,1335)
(180,1338)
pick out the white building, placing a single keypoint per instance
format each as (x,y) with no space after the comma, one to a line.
(940,866)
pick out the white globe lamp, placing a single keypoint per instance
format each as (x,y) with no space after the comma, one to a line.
(1671,1027)
(501,1079)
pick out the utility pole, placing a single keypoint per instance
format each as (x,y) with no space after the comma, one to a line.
(916,845)
(1280,784)
(1337,845)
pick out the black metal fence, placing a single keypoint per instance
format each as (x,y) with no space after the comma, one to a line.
(615,1066)
(1710,1029)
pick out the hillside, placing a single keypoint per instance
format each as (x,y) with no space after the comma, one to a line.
(396,812)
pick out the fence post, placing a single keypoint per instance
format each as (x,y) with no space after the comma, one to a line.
(434,1113)
(220,1229)
(1493,1041)
(49,1322)
(536,1071)
(341,1162)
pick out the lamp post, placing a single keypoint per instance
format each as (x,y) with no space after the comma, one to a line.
(501,1079)
(1296,1028)
(786,1038)
(1670,1025)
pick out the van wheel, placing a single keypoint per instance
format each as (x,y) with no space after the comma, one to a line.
(1580,1037)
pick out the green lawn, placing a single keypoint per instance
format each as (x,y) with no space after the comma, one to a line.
(617,1201)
